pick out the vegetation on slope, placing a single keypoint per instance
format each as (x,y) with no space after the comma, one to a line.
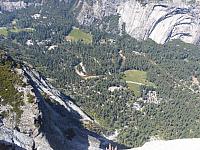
(170,67)
(8,80)
(4,31)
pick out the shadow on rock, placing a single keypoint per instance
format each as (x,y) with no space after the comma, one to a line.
(62,127)
(9,146)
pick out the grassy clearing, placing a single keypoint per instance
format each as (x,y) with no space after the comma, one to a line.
(135,88)
(137,78)
(17,30)
(4,31)
(79,35)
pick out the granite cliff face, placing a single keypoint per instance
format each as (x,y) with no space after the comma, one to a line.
(95,10)
(178,144)
(48,120)
(161,21)
(11,5)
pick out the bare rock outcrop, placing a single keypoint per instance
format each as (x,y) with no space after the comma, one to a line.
(13,137)
(179,144)
(160,21)
(47,119)
(10,5)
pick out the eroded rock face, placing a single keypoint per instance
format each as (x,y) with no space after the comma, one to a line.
(10,5)
(49,119)
(161,22)
(15,139)
(95,10)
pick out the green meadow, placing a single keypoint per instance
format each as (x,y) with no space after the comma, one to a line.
(79,35)
(4,31)
(136,78)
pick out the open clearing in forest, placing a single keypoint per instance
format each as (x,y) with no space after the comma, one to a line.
(136,78)
(79,35)
(4,31)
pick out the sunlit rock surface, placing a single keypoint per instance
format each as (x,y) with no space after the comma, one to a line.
(179,144)
(161,21)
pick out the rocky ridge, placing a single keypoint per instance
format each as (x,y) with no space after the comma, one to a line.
(50,120)
(160,21)
(9,5)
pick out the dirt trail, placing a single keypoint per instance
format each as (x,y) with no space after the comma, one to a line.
(83,74)
(135,82)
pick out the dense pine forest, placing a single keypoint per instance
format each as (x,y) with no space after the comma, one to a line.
(88,63)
